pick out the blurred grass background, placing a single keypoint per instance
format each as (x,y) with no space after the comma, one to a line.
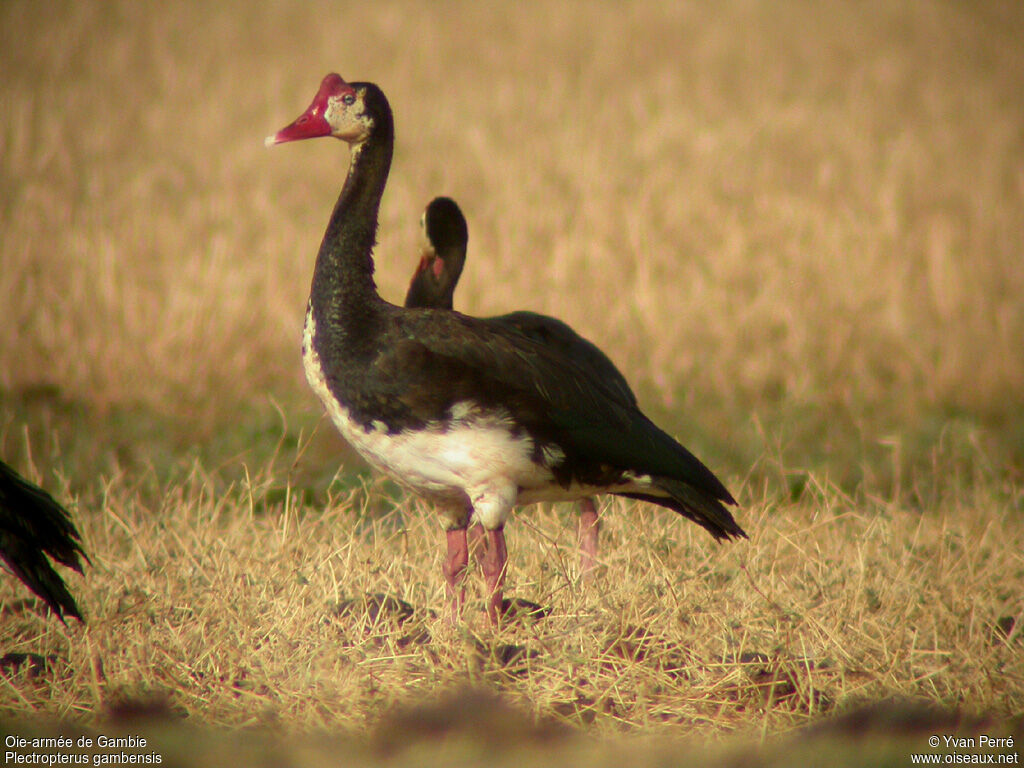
(797,228)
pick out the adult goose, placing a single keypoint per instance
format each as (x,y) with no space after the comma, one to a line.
(444,239)
(33,526)
(468,413)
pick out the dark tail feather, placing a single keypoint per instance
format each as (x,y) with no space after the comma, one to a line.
(700,507)
(33,526)
(32,567)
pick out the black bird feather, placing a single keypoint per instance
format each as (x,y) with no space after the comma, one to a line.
(33,527)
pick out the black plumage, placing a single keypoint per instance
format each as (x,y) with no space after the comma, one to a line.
(34,529)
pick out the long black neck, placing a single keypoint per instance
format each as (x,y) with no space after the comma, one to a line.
(343,295)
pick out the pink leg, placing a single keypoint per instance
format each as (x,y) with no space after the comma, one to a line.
(455,569)
(494,558)
(477,541)
(590,524)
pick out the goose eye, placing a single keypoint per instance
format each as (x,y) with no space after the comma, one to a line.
(348,99)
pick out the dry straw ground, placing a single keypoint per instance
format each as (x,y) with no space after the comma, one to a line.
(797,229)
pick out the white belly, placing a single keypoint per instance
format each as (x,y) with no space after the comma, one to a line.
(475,459)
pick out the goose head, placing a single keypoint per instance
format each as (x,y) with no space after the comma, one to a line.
(346,111)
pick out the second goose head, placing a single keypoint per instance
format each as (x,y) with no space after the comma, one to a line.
(444,235)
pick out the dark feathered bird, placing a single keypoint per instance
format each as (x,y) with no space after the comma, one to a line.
(33,528)
(469,413)
(445,238)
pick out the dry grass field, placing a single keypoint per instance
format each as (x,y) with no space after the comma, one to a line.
(797,228)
